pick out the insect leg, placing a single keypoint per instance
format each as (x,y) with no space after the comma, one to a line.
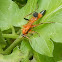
(26,36)
(41,23)
(33,32)
(46,23)
(30,13)
(26,19)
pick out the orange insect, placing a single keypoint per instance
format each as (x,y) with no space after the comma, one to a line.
(28,27)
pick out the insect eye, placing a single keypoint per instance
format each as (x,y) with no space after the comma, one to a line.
(35,14)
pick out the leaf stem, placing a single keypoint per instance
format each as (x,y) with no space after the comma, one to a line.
(13,30)
(10,35)
(9,49)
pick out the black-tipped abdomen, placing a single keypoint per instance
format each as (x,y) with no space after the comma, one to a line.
(43,12)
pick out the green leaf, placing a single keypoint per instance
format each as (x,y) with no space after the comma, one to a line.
(7,11)
(33,60)
(2,42)
(60,61)
(25,47)
(26,50)
(10,14)
(43,44)
(43,58)
(18,55)
(15,56)
(57,53)
(53,14)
